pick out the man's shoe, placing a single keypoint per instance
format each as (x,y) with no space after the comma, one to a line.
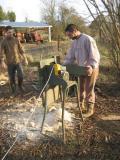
(83,107)
(90,111)
(13,94)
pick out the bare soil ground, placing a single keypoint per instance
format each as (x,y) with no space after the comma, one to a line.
(97,139)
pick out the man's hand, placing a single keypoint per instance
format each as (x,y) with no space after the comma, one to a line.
(89,70)
(25,61)
(3,66)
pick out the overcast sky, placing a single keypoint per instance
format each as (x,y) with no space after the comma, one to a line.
(31,8)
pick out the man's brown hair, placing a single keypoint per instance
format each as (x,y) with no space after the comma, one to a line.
(71,28)
(7,28)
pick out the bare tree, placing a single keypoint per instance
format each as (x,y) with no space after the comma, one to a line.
(109,24)
(58,14)
(49,11)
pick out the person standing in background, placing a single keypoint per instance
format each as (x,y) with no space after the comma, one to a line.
(11,54)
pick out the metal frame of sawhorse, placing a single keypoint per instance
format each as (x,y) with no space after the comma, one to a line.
(63,92)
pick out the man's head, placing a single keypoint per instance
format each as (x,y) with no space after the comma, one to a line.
(72,31)
(9,31)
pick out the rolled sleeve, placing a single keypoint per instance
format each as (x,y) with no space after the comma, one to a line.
(93,53)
